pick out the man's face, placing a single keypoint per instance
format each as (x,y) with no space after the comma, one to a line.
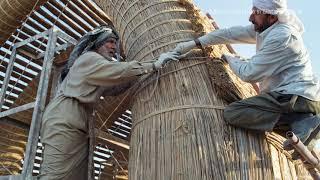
(260,20)
(108,49)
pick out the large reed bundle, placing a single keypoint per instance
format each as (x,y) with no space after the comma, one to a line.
(12,144)
(179,131)
(12,13)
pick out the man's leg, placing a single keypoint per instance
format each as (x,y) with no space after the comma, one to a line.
(307,128)
(314,137)
(65,140)
(304,124)
(64,154)
(260,112)
(58,164)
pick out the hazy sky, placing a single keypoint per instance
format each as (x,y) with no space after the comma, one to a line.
(228,13)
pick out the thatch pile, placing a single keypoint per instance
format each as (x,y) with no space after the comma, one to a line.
(12,145)
(178,130)
(12,13)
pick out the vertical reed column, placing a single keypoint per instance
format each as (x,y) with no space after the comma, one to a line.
(178,129)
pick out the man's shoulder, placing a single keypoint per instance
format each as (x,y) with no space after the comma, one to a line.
(89,55)
(87,59)
(280,31)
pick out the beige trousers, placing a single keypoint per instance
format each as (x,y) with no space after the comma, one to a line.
(64,135)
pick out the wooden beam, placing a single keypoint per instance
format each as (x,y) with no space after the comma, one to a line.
(57,49)
(112,139)
(87,10)
(17,109)
(73,8)
(27,53)
(14,91)
(15,74)
(116,107)
(15,84)
(40,21)
(32,38)
(23,37)
(69,14)
(97,11)
(34,25)
(67,38)
(30,32)
(10,97)
(64,18)
(57,23)
(124,121)
(13,122)
(21,62)
(120,129)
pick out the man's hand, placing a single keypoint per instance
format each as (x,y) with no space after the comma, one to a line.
(184,47)
(229,57)
(256,87)
(165,58)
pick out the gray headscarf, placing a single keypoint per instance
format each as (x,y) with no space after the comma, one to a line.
(90,41)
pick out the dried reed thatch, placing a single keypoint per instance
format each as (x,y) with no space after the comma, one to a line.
(12,145)
(12,13)
(178,130)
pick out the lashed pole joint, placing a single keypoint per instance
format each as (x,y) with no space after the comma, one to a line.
(306,154)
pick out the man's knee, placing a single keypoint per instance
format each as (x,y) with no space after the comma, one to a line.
(231,114)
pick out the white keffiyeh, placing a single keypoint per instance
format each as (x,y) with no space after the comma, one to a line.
(279,8)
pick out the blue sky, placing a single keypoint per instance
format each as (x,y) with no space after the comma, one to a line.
(229,13)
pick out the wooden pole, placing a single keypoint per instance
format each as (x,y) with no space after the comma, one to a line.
(39,107)
(91,145)
(6,80)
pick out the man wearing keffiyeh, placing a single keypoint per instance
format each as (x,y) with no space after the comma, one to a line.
(289,93)
(90,73)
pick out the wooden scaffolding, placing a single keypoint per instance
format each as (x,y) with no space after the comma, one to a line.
(23,57)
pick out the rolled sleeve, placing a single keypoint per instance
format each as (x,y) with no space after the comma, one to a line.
(107,73)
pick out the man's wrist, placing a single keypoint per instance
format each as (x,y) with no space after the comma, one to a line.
(198,43)
(154,67)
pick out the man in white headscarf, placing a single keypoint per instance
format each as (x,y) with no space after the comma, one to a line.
(289,91)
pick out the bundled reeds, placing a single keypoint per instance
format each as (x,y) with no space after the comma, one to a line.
(12,144)
(178,130)
(12,13)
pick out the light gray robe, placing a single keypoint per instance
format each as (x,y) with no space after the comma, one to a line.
(64,131)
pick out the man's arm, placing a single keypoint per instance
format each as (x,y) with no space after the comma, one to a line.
(237,34)
(101,72)
(233,35)
(271,57)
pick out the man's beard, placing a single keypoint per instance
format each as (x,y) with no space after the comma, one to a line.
(107,54)
(265,25)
